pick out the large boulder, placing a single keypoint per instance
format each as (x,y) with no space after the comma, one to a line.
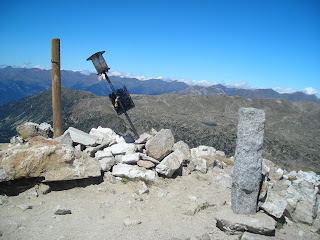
(247,170)
(133,172)
(170,164)
(29,130)
(302,197)
(49,159)
(160,145)
(184,148)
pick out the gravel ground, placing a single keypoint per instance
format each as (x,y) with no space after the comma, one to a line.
(180,208)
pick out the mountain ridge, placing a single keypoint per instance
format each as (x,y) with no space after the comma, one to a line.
(218,89)
(291,133)
(17,83)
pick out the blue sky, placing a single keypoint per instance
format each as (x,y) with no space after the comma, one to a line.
(260,44)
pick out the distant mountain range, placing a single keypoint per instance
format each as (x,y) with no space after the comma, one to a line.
(219,89)
(17,83)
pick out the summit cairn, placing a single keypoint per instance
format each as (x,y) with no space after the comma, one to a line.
(247,171)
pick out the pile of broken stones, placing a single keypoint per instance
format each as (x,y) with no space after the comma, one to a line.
(285,196)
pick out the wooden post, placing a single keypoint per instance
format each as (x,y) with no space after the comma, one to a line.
(56,87)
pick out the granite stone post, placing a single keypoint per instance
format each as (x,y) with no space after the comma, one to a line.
(247,170)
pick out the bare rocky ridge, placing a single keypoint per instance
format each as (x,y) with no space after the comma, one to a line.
(291,134)
(129,201)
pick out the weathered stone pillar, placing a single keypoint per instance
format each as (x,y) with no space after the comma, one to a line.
(247,175)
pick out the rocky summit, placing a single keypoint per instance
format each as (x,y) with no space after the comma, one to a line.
(97,185)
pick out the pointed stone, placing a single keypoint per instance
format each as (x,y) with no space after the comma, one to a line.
(247,170)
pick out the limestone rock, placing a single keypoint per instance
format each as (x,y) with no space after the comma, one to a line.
(274,204)
(143,188)
(43,189)
(122,148)
(29,130)
(170,164)
(103,154)
(107,163)
(232,223)
(25,207)
(16,139)
(160,145)
(104,135)
(247,170)
(252,236)
(145,164)
(199,164)
(65,139)
(131,222)
(81,137)
(203,152)
(61,210)
(48,159)
(184,148)
(147,158)
(302,198)
(91,151)
(143,138)
(131,158)
(131,171)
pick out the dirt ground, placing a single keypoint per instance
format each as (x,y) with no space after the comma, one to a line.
(180,208)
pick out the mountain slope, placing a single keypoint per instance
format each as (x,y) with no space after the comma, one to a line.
(218,89)
(291,134)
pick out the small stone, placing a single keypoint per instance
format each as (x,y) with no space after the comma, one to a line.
(107,163)
(199,164)
(144,188)
(143,138)
(61,210)
(102,154)
(145,164)
(44,189)
(132,158)
(131,222)
(25,207)
(147,158)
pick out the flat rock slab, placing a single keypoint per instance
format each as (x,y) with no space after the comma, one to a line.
(81,137)
(48,159)
(61,210)
(252,236)
(233,224)
(132,172)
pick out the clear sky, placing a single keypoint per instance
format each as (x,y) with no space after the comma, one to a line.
(261,44)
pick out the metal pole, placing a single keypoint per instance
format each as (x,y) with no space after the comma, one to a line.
(124,111)
(56,87)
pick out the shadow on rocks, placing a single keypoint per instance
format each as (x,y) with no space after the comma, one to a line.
(15,187)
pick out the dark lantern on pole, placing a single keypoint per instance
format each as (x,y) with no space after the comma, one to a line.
(99,62)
